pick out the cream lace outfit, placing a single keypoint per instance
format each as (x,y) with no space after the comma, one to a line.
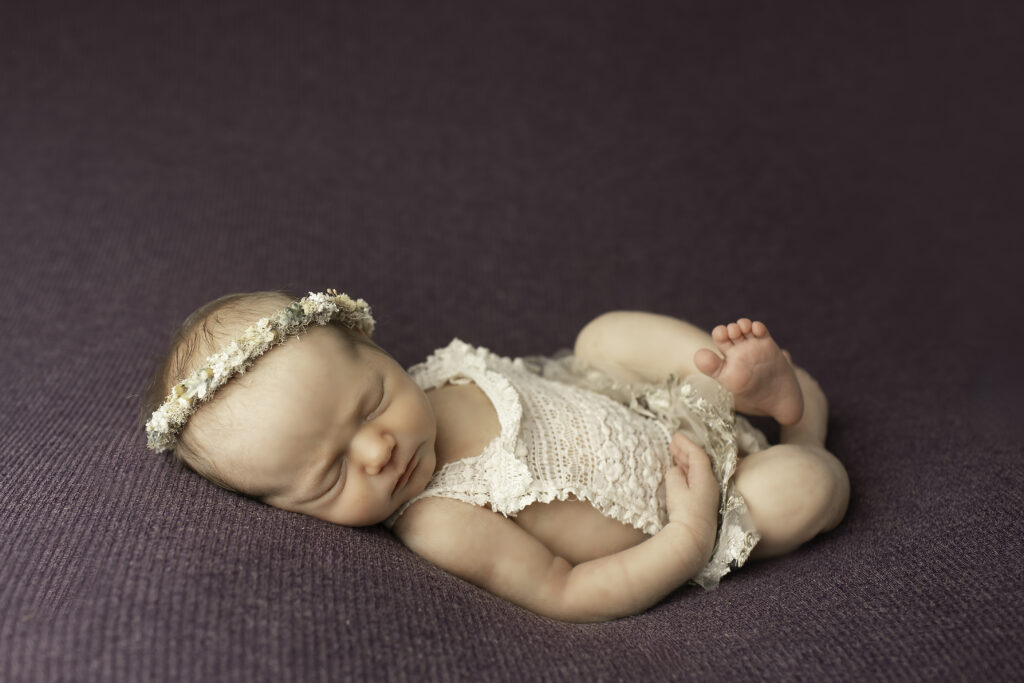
(568,429)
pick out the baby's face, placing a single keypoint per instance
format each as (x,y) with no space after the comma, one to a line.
(341,434)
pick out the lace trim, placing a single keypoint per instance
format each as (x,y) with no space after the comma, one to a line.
(704,410)
(698,406)
(501,476)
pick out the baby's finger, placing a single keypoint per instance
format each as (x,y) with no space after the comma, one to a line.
(682,462)
(700,476)
(681,447)
(696,490)
(699,467)
(675,479)
(677,493)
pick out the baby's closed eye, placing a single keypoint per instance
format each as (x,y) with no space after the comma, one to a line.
(378,404)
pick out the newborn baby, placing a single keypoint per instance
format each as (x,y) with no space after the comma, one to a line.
(580,487)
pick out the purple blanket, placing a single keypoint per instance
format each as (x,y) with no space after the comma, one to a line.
(504,173)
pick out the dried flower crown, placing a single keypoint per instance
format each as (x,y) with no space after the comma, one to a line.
(185,398)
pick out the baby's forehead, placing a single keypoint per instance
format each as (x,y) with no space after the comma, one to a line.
(290,399)
(317,365)
(314,347)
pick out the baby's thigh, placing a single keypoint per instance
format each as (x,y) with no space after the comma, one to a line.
(575,530)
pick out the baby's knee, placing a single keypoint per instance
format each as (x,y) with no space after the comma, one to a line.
(793,493)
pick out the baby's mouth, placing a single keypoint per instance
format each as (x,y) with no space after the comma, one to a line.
(407,473)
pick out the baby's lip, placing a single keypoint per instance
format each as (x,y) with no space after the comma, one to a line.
(409,467)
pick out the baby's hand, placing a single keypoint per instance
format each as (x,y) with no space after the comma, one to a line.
(692,491)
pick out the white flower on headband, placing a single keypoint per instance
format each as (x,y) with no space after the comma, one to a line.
(170,418)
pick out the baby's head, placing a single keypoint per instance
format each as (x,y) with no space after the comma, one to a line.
(324,422)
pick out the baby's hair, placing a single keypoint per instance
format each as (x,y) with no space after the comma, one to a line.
(204,332)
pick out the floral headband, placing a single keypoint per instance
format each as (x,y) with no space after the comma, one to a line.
(185,398)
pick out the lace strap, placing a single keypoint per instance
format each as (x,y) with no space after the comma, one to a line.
(497,474)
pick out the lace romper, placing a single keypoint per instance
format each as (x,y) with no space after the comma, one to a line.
(568,429)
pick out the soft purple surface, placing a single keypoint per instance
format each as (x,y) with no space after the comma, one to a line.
(503,173)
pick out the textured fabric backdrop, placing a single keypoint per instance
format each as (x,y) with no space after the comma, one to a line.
(848,172)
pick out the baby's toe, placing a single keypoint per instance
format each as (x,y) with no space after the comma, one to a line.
(721,336)
(707,361)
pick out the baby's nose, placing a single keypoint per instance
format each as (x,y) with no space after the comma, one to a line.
(378,454)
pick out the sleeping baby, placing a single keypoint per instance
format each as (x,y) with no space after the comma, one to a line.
(585,486)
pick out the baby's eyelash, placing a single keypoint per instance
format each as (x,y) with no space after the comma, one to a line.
(379,403)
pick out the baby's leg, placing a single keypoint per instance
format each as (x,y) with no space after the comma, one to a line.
(797,489)
(636,346)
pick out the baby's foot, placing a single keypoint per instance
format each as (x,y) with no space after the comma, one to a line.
(755,370)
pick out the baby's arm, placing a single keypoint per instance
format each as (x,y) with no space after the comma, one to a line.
(495,553)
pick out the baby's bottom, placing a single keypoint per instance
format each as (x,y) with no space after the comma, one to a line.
(797,489)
